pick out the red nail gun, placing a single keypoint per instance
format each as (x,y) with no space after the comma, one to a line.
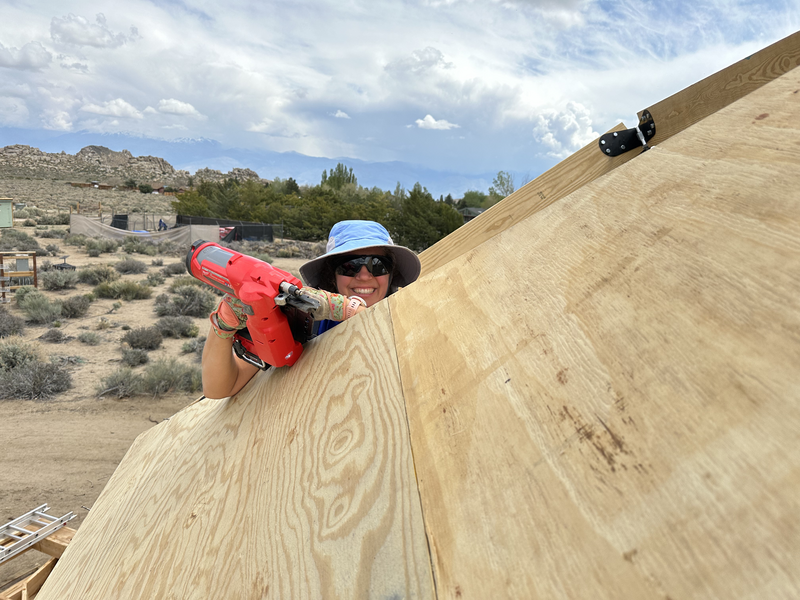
(278,322)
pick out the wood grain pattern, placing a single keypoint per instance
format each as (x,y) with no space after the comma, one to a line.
(613,411)
(575,171)
(301,486)
(674,114)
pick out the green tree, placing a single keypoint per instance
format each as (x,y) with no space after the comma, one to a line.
(337,178)
(420,221)
(130,183)
(145,188)
(191,204)
(472,199)
(502,186)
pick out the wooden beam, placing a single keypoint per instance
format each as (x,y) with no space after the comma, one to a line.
(27,588)
(689,106)
(604,400)
(55,543)
(582,167)
(671,116)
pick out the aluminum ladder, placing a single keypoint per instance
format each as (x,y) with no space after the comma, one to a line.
(23,532)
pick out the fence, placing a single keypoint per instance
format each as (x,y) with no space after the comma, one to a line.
(15,272)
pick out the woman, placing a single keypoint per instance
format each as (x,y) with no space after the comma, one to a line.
(361,266)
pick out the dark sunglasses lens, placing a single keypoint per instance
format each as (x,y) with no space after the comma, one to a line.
(377,265)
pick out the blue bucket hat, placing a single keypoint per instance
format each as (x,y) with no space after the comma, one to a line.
(350,236)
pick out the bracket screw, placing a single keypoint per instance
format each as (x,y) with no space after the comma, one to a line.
(608,150)
(615,134)
(622,147)
(603,142)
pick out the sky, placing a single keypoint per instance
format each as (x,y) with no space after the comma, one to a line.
(462,86)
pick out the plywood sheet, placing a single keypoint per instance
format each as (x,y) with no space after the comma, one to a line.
(302,486)
(672,115)
(604,399)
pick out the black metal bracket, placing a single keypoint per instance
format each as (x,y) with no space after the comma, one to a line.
(619,142)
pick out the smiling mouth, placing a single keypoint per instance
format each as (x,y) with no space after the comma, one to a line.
(365,291)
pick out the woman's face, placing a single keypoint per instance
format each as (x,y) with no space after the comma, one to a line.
(369,287)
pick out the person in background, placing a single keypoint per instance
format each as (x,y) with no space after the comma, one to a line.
(361,266)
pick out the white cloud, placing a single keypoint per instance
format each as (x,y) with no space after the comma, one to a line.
(58,120)
(564,132)
(430,123)
(75,66)
(420,61)
(31,57)
(13,111)
(275,128)
(77,31)
(176,107)
(113,108)
(340,114)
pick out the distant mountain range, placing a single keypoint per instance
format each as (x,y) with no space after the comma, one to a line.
(194,154)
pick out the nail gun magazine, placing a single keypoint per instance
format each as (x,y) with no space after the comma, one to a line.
(278,319)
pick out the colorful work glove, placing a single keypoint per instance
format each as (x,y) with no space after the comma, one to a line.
(335,307)
(229,317)
(231,314)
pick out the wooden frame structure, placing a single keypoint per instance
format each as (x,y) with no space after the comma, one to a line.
(7,273)
(611,412)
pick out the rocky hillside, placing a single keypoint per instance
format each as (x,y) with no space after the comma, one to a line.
(97,163)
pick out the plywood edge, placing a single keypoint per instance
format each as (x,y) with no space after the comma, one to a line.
(572,173)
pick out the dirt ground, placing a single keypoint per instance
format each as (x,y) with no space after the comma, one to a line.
(62,451)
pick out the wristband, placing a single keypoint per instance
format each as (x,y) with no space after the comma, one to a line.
(352,306)
(219,328)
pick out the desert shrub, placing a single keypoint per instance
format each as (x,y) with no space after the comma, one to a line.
(133,244)
(133,357)
(58,219)
(14,239)
(53,249)
(122,384)
(94,252)
(52,233)
(265,257)
(157,262)
(171,376)
(39,309)
(34,380)
(90,338)
(53,336)
(75,306)
(146,338)
(101,245)
(29,223)
(195,347)
(130,265)
(154,279)
(23,291)
(189,300)
(171,269)
(77,239)
(45,265)
(177,327)
(97,274)
(10,324)
(127,290)
(15,351)
(183,280)
(102,323)
(22,214)
(58,279)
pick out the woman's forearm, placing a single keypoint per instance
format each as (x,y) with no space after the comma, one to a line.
(223,374)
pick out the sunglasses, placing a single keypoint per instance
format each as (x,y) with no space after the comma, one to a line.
(350,266)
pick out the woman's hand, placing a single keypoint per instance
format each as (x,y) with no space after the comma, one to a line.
(229,317)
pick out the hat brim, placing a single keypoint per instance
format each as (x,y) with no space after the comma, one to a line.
(406,268)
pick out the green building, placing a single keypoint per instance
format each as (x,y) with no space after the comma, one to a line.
(6,212)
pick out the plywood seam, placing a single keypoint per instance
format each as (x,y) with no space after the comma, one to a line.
(413,458)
